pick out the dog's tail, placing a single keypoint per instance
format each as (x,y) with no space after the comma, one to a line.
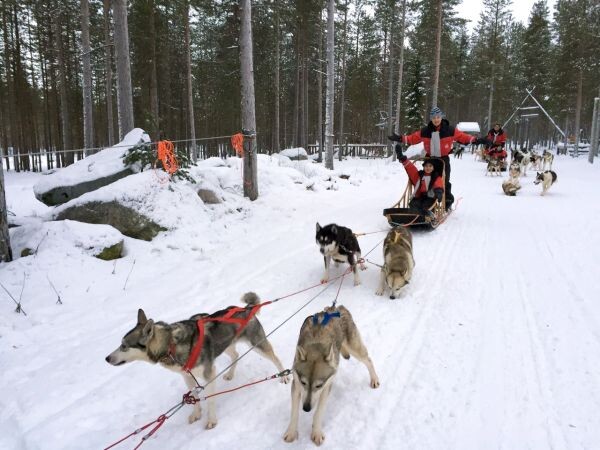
(250,298)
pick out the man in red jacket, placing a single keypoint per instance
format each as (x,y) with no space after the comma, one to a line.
(438,137)
(428,185)
(496,141)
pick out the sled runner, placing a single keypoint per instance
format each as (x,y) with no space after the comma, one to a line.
(401,214)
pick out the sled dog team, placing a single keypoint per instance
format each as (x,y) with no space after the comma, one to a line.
(518,167)
(324,336)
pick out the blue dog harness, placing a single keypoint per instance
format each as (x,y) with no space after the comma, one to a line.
(326,317)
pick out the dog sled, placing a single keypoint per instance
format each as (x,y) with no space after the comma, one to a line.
(401,214)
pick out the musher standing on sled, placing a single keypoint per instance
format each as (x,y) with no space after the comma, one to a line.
(438,137)
(496,140)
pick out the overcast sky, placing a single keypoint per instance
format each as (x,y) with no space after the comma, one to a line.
(471,9)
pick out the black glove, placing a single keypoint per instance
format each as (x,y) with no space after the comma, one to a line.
(439,193)
(395,138)
(399,154)
(481,141)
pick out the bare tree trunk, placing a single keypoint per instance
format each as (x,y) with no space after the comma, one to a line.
(491,100)
(11,114)
(297,95)
(108,74)
(67,158)
(276,132)
(438,45)
(578,110)
(305,121)
(124,92)
(248,110)
(88,121)
(400,68)
(330,85)
(5,249)
(153,77)
(190,94)
(320,88)
(390,101)
(341,139)
(493,64)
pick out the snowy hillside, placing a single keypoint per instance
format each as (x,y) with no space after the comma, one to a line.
(494,344)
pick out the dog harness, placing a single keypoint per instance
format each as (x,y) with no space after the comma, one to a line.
(227,318)
(326,317)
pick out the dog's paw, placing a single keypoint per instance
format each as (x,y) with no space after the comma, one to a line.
(290,435)
(356,282)
(379,292)
(375,383)
(196,415)
(285,380)
(317,437)
(362,267)
(324,280)
(228,376)
(211,424)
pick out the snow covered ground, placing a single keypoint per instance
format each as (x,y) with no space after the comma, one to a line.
(494,344)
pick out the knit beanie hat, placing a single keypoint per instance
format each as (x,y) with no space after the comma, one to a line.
(435,111)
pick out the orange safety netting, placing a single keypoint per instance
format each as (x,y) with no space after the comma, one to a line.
(166,155)
(237,142)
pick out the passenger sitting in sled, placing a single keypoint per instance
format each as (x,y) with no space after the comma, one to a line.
(428,184)
(496,140)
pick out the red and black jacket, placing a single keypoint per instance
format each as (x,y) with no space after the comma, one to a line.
(448,134)
(497,138)
(425,185)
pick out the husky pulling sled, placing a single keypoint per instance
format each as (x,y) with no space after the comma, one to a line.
(403,214)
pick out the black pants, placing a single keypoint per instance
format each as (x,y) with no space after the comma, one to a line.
(421,204)
(448,187)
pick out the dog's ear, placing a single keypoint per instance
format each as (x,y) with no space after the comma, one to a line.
(331,355)
(333,228)
(318,227)
(141,317)
(300,353)
(147,332)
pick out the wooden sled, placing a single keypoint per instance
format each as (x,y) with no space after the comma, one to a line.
(401,214)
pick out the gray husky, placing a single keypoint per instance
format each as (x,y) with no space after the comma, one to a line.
(398,262)
(323,337)
(170,345)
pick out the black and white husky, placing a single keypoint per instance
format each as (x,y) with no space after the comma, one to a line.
(340,244)
(547,178)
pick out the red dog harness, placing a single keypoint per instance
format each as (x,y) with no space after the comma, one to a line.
(227,318)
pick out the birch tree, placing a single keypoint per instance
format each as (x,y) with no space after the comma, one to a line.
(190,93)
(400,68)
(248,110)
(330,85)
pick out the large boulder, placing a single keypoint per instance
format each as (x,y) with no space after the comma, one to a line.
(62,194)
(88,174)
(127,220)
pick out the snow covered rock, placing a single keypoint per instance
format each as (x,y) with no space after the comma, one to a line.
(127,220)
(209,197)
(88,174)
(295,154)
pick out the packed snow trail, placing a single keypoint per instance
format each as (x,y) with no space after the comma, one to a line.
(495,343)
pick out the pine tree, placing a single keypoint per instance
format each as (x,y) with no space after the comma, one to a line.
(415,94)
